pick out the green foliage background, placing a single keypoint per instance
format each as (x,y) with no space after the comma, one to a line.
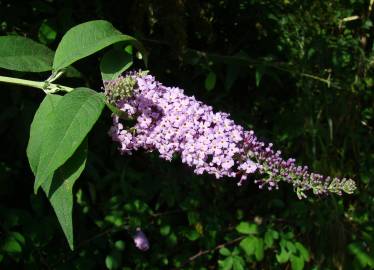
(300,73)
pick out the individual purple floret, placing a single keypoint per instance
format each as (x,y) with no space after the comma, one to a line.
(173,123)
(140,240)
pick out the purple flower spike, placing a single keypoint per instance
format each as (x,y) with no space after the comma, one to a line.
(173,123)
(140,240)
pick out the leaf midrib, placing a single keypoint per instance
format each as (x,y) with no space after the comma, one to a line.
(59,144)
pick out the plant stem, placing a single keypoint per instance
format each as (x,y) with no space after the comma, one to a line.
(29,83)
(45,86)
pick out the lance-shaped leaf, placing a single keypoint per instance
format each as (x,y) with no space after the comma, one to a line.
(58,186)
(23,54)
(60,190)
(73,118)
(86,39)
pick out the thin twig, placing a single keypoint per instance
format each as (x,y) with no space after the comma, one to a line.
(204,252)
(166,213)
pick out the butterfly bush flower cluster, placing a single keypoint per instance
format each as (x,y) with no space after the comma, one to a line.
(210,142)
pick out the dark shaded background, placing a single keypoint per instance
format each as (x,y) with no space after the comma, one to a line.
(298,72)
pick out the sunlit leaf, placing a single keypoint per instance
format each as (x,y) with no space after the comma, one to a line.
(86,39)
(248,244)
(23,54)
(73,118)
(247,228)
(297,263)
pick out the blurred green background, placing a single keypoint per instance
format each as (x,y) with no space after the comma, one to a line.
(298,72)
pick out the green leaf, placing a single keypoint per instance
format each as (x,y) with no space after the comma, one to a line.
(46,33)
(192,235)
(72,72)
(268,239)
(367,24)
(258,77)
(297,263)
(247,228)
(172,239)
(114,62)
(253,246)
(113,261)
(362,256)
(259,249)
(210,81)
(303,251)
(283,256)
(19,237)
(290,246)
(248,245)
(128,49)
(73,118)
(225,251)
(41,122)
(23,54)
(227,263)
(165,230)
(238,263)
(120,245)
(60,190)
(11,245)
(59,184)
(86,39)
(193,217)
(236,251)
(275,234)
(109,262)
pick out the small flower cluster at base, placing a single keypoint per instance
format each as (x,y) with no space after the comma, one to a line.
(173,123)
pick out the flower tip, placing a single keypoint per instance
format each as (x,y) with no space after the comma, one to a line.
(349,186)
